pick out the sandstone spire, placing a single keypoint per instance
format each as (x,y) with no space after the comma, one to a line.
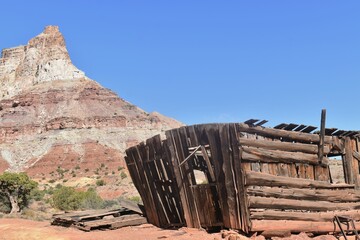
(44,58)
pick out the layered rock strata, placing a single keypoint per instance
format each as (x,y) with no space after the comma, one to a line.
(53,117)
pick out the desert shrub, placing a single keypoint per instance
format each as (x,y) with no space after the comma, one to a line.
(60,171)
(68,198)
(123,175)
(120,168)
(91,200)
(77,167)
(100,182)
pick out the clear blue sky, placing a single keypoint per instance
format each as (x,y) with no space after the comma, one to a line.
(211,61)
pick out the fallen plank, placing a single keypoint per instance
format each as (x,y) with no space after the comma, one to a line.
(130,205)
(117,222)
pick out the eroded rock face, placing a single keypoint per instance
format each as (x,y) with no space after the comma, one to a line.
(52,116)
(45,58)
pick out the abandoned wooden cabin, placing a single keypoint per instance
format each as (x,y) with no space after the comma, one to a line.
(257,178)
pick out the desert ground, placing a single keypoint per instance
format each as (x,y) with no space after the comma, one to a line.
(22,229)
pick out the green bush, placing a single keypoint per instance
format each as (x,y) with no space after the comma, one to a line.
(5,206)
(123,175)
(100,182)
(68,198)
(91,200)
(37,194)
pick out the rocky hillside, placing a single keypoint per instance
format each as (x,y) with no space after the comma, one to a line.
(54,119)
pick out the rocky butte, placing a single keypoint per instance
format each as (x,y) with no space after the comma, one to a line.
(54,117)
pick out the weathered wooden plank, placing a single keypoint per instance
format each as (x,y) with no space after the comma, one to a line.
(355,162)
(289,135)
(130,205)
(283,169)
(322,135)
(284,146)
(240,194)
(267,155)
(242,199)
(320,173)
(203,196)
(290,127)
(156,176)
(173,196)
(308,129)
(183,146)
(264,167)
(338,195)
(134,174)
(208,164)
(230,183)
(129,222)
(356,155)
(263,179)
(145,192)
(212,133)
(140,157)
(193,136)
(309,171)
(114,223)
(281,203)
(179,176)
(303,216)
(348,161)
(295,226)
(301,169)
(292,170)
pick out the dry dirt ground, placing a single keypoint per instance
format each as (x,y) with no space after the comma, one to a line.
(21,229)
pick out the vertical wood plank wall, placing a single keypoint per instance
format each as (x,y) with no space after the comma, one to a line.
(153,176)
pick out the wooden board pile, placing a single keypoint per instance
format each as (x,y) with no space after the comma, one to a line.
(128,215)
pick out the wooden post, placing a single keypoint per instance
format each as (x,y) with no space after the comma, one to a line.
(322,135)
